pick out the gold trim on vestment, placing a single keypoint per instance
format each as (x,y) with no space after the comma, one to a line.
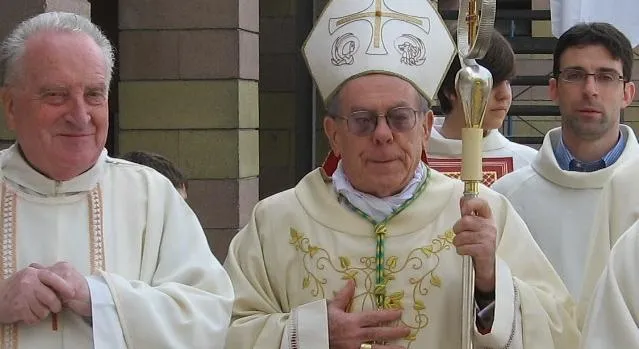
(8,253)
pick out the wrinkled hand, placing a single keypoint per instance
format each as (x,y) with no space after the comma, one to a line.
(80,301)
(31,294)
(476,236)
(350,330)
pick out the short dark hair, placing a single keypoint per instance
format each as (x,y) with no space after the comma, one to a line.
(160,164)
(596,33)
(499,60)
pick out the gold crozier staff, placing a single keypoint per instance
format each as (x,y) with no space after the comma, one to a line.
(473,84)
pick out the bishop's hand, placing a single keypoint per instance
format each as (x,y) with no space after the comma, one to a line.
(476,236)
(351,330)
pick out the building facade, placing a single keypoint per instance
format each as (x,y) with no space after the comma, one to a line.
(220,88)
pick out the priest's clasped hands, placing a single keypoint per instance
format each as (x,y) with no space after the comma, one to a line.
(33,293)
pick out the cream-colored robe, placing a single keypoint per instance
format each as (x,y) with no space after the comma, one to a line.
(618,209)
(301,246)
(613,317)
(559,206)
(127,226)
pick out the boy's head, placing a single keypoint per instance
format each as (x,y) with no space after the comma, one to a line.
(500,61)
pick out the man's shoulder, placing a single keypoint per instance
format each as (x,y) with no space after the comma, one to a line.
(624,251)
(626,173)
(278,201)
(130,172)
(312,199)
(491,195)
(283,203)
(514,181)
(125,166)
(523,150)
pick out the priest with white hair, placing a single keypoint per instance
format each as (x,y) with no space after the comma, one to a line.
(95,252)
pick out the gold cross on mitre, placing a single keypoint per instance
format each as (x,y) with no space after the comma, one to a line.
(408,39)
(378,14)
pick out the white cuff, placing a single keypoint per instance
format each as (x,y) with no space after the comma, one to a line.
(307,327)
(502,328)
(107,331)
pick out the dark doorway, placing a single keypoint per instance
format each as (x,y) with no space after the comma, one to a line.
(304,94)
(104,13)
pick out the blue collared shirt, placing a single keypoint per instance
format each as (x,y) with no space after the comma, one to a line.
(567,161)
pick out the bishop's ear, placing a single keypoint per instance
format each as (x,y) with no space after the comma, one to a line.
(330,129)
(427,125)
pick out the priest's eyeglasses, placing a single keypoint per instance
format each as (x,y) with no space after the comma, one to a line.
(364,122)
(602,78)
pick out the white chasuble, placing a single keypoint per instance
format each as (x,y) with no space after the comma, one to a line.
(612,319)
(560,208)
(125,226)
(301,246)
(618,209)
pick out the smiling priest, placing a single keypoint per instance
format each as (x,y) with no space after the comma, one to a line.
(95,252)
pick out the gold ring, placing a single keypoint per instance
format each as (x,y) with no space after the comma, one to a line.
(366,346)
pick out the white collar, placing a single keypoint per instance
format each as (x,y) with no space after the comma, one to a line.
(18,171)
(546,165)
(375,207)
(440,145)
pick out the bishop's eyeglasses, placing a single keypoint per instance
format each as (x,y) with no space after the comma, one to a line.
(364,122)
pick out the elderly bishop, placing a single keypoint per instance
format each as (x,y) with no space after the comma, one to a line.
(370,255)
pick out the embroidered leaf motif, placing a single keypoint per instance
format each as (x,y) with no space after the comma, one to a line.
(344,262)
(435,281)
(350,275)
(392,262)
(295,237)
(449,235)
(397,295)
(411,337)
(306,282)
(428,250)
(394,301)
(388,275)
(363,269)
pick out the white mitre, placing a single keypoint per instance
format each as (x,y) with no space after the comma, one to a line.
(405,38)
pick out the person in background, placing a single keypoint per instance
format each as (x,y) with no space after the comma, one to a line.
(557,195)
(162,165)
(500,155)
